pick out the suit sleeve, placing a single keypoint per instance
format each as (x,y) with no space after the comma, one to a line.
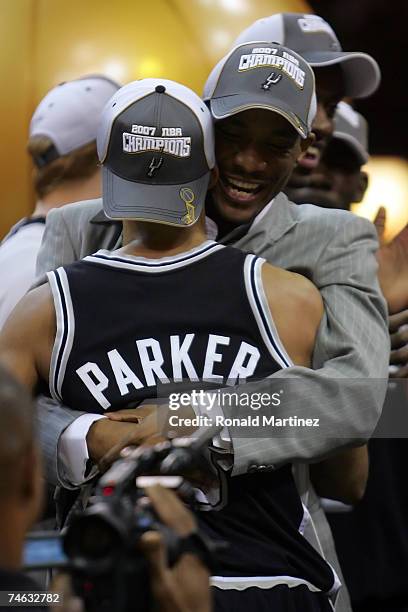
(345,392)
(57,247)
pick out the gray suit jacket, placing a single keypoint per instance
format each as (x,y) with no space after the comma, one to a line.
(346,389)
(336,250)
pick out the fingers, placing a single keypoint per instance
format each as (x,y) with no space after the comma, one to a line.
(61,584)
(399,356)
(132,415)
(379,222)
(398,320)
(400,372)
(170,510)
(124,418)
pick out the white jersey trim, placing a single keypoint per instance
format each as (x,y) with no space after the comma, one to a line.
(260,308)
(240,583)
(143,264)
(65,330)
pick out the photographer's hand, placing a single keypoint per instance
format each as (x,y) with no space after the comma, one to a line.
(185,587)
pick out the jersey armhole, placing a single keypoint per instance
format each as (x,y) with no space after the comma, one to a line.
(65,330)
(260,308)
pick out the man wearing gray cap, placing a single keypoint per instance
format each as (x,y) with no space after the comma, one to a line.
(108,349)
(339,181)
(338,74)
(63,149)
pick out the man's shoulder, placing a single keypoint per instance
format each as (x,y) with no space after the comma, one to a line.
(329,218)
(81,212)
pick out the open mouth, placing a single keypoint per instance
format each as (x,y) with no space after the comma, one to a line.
(241,191)
(311,158)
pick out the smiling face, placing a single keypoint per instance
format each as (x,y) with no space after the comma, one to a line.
(329,92)
(338,181)
(256,151)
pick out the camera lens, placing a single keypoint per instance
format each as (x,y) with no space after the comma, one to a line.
(91,537)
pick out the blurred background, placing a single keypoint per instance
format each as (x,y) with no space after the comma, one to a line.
(45,42)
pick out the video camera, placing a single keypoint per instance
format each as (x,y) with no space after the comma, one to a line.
(108,571)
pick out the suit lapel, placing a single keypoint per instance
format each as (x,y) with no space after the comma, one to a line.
(280,218)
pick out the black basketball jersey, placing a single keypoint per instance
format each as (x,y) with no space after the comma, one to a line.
(126,324)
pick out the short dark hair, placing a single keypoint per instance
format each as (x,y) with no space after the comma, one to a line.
(17,422)
(80,164)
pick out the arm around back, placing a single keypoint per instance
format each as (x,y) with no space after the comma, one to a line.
(345,392)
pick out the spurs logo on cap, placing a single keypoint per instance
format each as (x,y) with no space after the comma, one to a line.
(272,79)
(266,56)
(154,166)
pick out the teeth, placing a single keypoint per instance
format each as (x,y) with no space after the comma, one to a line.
(243,185)
(313,151)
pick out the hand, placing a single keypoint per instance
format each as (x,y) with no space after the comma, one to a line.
(61,584)
(393,271)
(379,222)
(155,420)
(185,587)
(398,326)
(106,438)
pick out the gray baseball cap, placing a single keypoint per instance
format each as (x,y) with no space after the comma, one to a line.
(69,114)
(156,144)
(263,75)
(351,128)
(314,39)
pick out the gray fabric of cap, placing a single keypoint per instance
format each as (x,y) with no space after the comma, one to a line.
(156,144)
(263,75)
(352,128)
(69,114)
(314,39)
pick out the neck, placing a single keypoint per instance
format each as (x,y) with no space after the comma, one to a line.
(68,192)
(12,532)
(153,240)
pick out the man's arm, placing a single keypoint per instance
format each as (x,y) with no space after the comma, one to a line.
(27,337)
(293,298)
(345,393)
(69,235)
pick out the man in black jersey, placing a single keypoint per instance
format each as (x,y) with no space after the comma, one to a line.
(99,334)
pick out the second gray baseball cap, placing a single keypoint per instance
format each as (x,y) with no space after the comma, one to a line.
(263,75)
(314,39)
(351,128)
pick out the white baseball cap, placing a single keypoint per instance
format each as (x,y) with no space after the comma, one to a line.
(69,114)
(314,39)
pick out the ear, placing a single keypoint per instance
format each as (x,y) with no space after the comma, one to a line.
(213,177)
(305,143)
(361,187)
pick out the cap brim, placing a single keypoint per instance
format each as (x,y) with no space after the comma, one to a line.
(360,152)
(224,107)
(362,73)
(178,205)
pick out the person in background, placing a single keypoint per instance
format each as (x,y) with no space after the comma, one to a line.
(339,180)
(184,588)
(62,146)
(371,556)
